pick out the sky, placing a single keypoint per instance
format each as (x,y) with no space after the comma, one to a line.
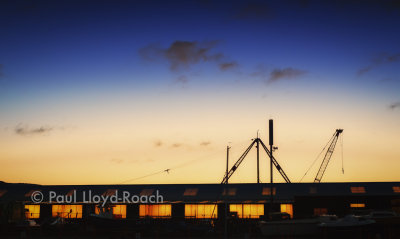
(110,92)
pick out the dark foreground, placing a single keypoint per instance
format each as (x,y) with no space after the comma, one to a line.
(179,230)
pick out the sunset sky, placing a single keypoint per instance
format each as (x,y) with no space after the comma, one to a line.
(106,92)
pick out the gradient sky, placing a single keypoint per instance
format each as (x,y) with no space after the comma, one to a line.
(101,92)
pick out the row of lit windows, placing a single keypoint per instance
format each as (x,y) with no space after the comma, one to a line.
(164,210)
(160,210)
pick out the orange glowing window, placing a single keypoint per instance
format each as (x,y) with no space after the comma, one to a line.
(288,208)
(155,210)
(191,192)
(247,210)
(201,210)
(320,211)
(267,191)
(357,205)
(229,191)
(396,189)
(32,211)
(118,211)
(146,192)
(2,192)
(357,189)
(67,211)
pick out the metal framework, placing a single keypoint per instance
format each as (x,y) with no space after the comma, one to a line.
(243,156)
(328,155)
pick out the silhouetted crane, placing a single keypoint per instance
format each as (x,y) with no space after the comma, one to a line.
(328,155)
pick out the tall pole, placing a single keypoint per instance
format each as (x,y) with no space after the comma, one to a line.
(226,193)
(227,163)
(258,158)
(271,143)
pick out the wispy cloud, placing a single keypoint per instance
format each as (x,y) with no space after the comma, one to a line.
(224,66)
(382,58)
(205,143)
(24,130)
(285,73)
(158,143)
(182,54)
(176,145)
(394,105)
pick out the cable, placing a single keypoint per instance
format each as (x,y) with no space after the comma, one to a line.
(342,154)
(145,176)
(180,165)
(315,160)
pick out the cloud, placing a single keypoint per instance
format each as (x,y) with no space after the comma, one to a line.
(158,143)
(394,105)
(205,143)
(26,130)
(383,58)
(182,54)
(228,65)
(285,73)
(176,145)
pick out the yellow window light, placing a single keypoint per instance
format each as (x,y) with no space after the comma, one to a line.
(155,210)
(201,210)
(32,211)
(357,205)
(247,210)
(288,208)
(67,211)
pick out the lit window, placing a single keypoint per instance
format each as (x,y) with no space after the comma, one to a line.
(32,211)
(190,192)
(67,211)
(201,210)
(110,192)
(118,211)
(229,192)
(357,205)
(155,210)
(146,192)
(357,190)
(288,208)
(247,210)
(313,190)
(267,191)
(396,189)
(320,211)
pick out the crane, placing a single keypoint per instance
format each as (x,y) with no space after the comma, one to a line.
(328,155)
(241,158)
